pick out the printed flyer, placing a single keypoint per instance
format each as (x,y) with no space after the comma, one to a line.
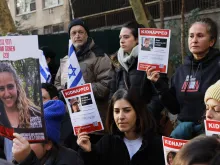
(171,147)
(212,128)
(21,108)
(153,48)
(83,109)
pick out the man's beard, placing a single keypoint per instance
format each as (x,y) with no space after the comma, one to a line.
(78,46)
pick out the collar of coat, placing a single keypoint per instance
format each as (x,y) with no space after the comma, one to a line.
(89,47)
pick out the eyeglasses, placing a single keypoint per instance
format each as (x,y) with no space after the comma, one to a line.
(79,32)
(9,87)
(216,107)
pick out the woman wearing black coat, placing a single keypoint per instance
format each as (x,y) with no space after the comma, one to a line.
(131,139)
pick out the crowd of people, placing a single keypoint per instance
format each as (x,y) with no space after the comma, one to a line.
(129,102)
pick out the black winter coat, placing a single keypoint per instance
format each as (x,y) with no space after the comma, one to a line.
(111,150)
(135,80)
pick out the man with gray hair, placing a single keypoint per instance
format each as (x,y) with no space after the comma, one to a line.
(95,65)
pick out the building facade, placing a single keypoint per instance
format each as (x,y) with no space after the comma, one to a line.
(40,16)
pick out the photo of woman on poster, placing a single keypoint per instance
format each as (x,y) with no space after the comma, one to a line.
(170,156)
(16,110)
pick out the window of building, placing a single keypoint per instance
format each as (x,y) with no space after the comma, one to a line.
(25,6)
(51,29)
(48,29)
(51,3)
(58,28)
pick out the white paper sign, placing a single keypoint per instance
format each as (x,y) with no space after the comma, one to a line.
(18,47)
(153,48)
(83,109)
(212,128)
(171,147)
(19,56)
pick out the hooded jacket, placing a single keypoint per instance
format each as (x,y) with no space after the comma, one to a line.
(111,150)
(185,97)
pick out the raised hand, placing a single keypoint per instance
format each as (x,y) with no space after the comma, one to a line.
(21,148)
(152,74)
(84,142)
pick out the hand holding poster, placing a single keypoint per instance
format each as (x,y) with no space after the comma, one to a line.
(82,108)
(212,128)
(171,147)
(20,103)
(153,48)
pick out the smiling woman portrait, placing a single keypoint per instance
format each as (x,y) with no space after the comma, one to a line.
(131,138)
(16,110)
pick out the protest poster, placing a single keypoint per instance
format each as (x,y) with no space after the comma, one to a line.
(153,49)
(82,108)
(212,128)
(20,88)
(170,147)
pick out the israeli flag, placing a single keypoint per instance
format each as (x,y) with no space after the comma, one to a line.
(44,70)
(75,77)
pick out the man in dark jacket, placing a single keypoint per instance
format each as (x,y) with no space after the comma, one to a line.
(49,153)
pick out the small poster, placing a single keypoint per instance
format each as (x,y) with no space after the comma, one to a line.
(21,108)
(171,147)
(212,128)
(83,109)
(153,48)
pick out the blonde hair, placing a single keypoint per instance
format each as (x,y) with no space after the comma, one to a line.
(23,104)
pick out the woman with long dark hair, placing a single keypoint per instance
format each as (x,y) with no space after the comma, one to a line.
(131,138)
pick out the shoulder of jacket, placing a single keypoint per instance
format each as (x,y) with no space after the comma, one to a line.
(98,51)
(114,59)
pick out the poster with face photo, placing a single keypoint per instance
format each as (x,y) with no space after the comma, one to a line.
(153,48)
(170,147)
(82,108)
(21,108)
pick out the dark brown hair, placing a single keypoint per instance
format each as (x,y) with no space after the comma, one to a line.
(144,120)
(133,26)
(201,149)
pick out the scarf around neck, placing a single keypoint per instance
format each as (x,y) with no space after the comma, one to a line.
(125,58)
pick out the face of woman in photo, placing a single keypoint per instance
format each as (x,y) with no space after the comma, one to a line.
(8,90)
(212,110)
(124,116)
(199,40)
(127,40)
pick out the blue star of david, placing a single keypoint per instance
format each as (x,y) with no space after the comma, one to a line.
(71,71)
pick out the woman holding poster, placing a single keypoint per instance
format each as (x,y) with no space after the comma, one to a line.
(16,110)
(191,80)
(131,138)
(127,76)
